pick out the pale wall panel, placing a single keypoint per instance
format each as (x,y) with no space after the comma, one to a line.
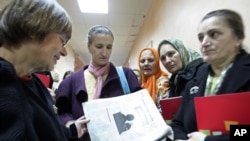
(180,19)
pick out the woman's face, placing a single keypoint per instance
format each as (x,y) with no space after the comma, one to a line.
(218,41)
(101,48)
(50,50)
(147,62)
(170,58)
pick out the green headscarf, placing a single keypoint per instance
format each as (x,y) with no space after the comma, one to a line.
(187,54)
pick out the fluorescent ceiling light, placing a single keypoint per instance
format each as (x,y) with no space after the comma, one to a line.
(93,6)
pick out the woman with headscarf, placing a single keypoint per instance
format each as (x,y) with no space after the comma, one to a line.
(179,60)
(149,65)
(227,70)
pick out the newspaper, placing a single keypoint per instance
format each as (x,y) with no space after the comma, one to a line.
(131,117)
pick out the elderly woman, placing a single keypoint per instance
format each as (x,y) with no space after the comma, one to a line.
(33,34)
(221,33)
(153,78)
(179,60)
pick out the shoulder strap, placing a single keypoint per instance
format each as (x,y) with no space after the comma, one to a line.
(123,80)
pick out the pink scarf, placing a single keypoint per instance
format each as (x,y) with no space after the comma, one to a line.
(98,72)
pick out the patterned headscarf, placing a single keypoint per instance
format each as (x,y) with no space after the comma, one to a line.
(187,54)
(149,82)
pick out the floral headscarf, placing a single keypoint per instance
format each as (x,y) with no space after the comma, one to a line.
(149,82)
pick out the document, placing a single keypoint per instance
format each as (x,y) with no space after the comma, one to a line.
(131,117)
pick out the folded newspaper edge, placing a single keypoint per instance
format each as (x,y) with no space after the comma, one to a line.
(130,117)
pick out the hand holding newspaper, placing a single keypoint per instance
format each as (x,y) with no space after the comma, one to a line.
(132,117)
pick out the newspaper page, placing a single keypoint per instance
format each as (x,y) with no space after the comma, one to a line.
(131,117)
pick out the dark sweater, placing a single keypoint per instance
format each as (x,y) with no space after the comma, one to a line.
(26,110)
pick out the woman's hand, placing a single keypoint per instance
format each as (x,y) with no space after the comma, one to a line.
(81,127)
(196,136)
(68,123)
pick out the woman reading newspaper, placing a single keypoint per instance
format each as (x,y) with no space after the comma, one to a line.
(98,79)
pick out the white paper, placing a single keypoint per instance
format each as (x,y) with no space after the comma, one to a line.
(131,117)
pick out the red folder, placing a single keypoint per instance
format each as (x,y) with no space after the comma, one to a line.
(170,107)
(215,114)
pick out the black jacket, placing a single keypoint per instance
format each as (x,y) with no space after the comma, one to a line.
(179,80)
(26,110)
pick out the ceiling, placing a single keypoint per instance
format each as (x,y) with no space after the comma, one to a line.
(125,18)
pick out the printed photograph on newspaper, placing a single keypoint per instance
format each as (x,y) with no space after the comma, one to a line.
(130,117)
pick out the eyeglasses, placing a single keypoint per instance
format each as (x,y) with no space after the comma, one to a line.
(63,40)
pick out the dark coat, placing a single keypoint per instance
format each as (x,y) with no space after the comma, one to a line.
(26,109)
(179,80)
(72,91)
(237,79)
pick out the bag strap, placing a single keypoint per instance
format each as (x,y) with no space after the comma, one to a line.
(123,80)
